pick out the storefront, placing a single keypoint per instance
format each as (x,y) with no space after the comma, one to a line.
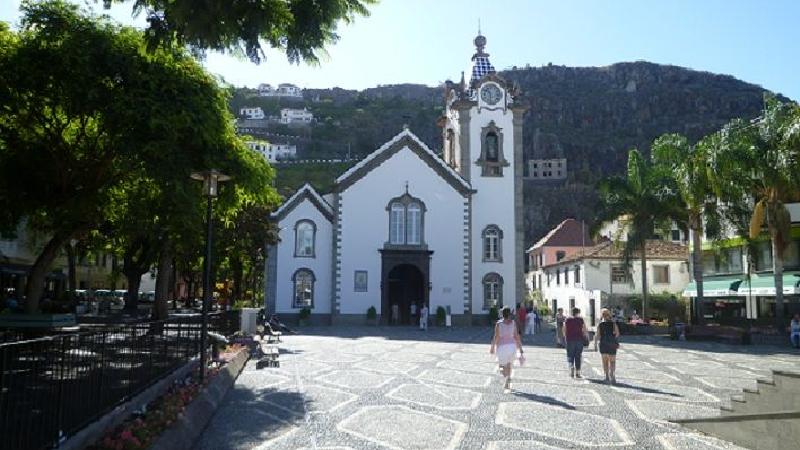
(729,299)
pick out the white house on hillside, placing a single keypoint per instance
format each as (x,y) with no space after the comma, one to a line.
(296,116)
(273,152)
(283,90)
(252,113)
(405,226)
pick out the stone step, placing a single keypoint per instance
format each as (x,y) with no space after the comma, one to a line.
(778,394)
(787,381)
(776,430)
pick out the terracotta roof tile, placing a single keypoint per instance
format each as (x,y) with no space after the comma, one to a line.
(569,233)
(656,249)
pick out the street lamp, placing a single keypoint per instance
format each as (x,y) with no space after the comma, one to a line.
(211,179)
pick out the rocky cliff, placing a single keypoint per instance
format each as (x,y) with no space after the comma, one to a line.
(591,116)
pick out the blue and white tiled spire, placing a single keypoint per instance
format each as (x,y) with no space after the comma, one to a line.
(480,60)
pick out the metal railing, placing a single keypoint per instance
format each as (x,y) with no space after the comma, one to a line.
(53,386)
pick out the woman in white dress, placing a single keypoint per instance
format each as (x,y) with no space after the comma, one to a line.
(505,344)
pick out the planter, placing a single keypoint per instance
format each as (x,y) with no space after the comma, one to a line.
(187,429)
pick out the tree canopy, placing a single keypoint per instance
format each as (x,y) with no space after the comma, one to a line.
(300,28)
(98,132)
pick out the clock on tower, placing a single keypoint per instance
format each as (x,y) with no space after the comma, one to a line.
(491,94)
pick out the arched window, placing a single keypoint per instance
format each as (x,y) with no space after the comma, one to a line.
(492,244)
(414,216)
(491,158)
(406,221)
(305,234)
(397,223)
(492,290)
(492,152)
(303,289)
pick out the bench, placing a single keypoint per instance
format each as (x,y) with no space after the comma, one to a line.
(272,335)
(732,335)
(269,356)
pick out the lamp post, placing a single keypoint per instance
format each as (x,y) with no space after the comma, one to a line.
(211,179)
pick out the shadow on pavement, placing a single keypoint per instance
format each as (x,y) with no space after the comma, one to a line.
(542,399)
(249,417)
(642,389)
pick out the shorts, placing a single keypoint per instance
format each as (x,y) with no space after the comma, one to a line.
(607,348)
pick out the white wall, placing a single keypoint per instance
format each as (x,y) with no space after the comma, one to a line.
(596,277)
(365,230)
(320,264)
(493,204)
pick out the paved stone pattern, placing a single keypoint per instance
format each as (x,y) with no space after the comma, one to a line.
(401,388)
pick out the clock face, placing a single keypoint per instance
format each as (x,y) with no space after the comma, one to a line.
(491,94)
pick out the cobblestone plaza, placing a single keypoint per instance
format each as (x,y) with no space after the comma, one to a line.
(401,388)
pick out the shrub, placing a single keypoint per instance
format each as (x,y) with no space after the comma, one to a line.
(305,313)
(493,315)
(441,315)
(372,313)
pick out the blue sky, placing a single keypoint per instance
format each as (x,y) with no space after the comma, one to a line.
(429,41)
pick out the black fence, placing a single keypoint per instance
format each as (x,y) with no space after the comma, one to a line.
(51,387)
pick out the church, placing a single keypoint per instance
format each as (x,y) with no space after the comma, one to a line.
(406,227)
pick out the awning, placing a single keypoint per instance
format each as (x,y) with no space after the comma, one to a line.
(714,287)
(765,284)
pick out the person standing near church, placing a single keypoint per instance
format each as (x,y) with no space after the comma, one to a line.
(395,314)
(413,310)
(560,327)
(522,316)
(423,317)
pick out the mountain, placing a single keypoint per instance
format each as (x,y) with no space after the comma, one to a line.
(591,116)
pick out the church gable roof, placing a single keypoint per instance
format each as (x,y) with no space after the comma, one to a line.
(307,192)
(404,139)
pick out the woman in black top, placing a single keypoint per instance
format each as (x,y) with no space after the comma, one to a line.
(608,337)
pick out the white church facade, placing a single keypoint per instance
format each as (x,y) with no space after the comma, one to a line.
(406,226)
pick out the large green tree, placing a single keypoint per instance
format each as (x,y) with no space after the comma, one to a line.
(69,123)
(300,28)
(87,112)
(758,163)
(641,201)
(693,178)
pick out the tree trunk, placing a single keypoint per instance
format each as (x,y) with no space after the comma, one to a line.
(72,276)
(697,258)
(36,278)
(134,277)
(777,270)
(644,280)
(238,278)
(160,307)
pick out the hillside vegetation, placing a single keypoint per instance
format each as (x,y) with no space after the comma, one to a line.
(590,115)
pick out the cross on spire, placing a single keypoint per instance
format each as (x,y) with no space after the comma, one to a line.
(406,186)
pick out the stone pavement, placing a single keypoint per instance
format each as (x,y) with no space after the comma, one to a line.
(401,388)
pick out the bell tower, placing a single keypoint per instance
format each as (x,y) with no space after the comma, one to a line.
(482,131)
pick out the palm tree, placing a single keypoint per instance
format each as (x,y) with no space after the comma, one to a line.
(688,166)
(641,201)
(759,162)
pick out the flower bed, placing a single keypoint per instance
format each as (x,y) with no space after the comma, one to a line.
(144,427)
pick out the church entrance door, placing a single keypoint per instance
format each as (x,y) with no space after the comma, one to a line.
(405,288)
(404,281)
